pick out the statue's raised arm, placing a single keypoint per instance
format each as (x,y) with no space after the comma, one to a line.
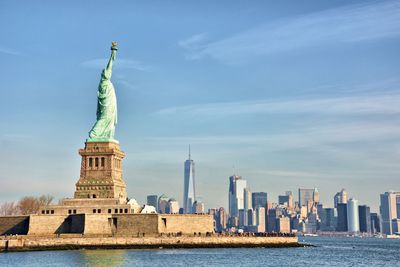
(107,72)
(106,116)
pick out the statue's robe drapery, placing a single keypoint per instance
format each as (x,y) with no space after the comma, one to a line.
(104,128)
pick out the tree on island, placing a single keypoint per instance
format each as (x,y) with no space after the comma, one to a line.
(25,206)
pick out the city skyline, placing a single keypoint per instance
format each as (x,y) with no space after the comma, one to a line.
(246,84)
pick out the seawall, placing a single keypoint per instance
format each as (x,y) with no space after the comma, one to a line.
(26,243)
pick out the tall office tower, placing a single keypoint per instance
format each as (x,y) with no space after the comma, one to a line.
(328,219)
(163,204)
(220,220)
(251,217)
(242,215)
(389,211)
(290,199)
(260,219)
(259,199)
(198,207)
(189,190)
(342,217)
(173,206)
(320,210)
(233,211)
(236,197)
(246,203)
(375,223)
(283,224)
(305,195)
(273,214)
(316,196)
(352,215)
(396,226)
(365,218)
(152,201)
(340,197)
(286,200)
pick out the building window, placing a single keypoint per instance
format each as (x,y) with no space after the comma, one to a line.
(52,211)
(94,196)
(69,211)
(43,211)
(99,211)
(96,162)
(120,211)
(90,162)
(103,160)
(116,211)
(94,210)
(126,210)
(109,210)
(74,211)
(47,211)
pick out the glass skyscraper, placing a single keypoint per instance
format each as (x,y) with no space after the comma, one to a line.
(189,190)
(352,216)
(305,195)
(389,212)
(259,199)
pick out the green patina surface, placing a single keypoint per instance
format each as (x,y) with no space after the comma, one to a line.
(104,128)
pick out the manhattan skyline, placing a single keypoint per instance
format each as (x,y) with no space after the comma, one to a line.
(293,94)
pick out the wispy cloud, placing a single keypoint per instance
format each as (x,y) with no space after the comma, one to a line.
(353,23)
(357,105)
(314,136)
(193,44)
(9,51)
(100,63)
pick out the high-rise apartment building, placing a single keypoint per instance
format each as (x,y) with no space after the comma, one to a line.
(365,218)
(352,215)
(189,189)
(389,211)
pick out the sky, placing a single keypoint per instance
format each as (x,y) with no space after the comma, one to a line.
(286,94)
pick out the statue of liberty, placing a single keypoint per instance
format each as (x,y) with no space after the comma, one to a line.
(104,128)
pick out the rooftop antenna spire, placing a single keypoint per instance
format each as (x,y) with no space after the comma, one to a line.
(189,153)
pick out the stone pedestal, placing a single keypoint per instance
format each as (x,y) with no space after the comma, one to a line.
(101,172)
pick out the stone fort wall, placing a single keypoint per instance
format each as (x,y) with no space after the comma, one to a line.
(14,225)
(107,224)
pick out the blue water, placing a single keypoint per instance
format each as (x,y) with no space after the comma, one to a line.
(328,252)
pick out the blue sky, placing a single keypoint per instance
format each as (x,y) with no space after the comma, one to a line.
(291,93)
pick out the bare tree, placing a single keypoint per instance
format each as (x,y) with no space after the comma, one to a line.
(30,205)
(45,200)
(8,208)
